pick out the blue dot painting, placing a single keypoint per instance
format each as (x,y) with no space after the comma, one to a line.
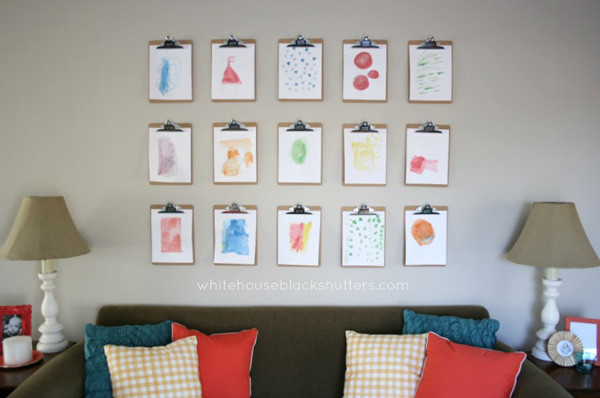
(234,237)
(300,72)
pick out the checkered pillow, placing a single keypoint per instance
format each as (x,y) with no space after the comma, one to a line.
(169,371)
(383,366)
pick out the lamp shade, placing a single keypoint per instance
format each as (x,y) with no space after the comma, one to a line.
(43,230)
(553,237)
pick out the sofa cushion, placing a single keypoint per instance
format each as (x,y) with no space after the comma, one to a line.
(461,371)
(97,377)
(475,332)
(383,365)
(224,361)
(146,372)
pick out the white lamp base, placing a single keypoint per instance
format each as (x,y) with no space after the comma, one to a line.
(52,340)
(550,314)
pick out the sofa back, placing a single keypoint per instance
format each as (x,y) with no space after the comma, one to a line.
(300,351)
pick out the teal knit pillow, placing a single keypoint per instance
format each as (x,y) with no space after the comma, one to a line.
(474,332)
(97,377)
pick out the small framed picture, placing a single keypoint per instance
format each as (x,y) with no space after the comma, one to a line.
(588,331)
(16,321)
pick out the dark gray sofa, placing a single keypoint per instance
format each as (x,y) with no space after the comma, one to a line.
(300,351)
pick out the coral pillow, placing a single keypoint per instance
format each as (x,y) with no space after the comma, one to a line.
(224,361)
(460,371)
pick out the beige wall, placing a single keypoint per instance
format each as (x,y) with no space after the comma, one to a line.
(74,115)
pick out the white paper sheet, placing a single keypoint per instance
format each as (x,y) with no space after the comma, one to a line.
(235,237)
(365,157)
(170,156)
(233,72)
(172,242)
(301,72)
(171,73)
(365,73)
(298,238)
(427,157)
(235,155)
(430,74)
(363,240)
(299,156)
(425,238)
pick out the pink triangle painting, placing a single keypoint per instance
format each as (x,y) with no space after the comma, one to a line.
(230,76)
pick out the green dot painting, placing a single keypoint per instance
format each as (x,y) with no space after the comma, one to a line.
(363,242)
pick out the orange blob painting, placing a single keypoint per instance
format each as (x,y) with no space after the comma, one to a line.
(422,231)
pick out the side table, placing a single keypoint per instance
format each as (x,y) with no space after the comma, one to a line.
(578,384)
(12,378)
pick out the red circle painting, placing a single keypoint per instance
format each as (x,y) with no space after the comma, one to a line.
(361,82)
(373,74)
(363,60)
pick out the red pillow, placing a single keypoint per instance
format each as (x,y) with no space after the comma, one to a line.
(224,361)
(462,371)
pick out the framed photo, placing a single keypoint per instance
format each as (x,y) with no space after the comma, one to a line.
(588,331)
(16,321)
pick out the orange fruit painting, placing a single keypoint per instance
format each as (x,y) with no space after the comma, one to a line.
(422,231)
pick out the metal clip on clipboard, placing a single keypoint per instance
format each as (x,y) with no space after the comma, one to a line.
(170,43)
(430,44)
(234,126)
(428,127)
(363,210)
(171,208)
(365,43)
(299,209)
(170,126)
(300,126)
(235,208)
(425,209)
(301,41)
(232,42)
(364,127)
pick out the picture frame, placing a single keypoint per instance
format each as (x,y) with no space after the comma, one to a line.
(16,321)
(588,331)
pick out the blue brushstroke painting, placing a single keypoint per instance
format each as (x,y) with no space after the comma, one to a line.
(235,237)
(164,76)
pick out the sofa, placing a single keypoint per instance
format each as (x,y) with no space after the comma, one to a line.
(299,353)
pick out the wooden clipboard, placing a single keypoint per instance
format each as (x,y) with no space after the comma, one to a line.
(245,41)
(182,125)
(417,126)
(351,209)
(312,209)
(247,207)
(353,126)
(442,43)
(221,125)
(376,42)
(183,207)
(414,208)
(312,41)
(182,42)
(287,125)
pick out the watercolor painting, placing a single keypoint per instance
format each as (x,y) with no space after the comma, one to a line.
(170,156)
(427,156)
(299,155)
(235,236)
(365,157)
(300,72)
(172,236)
(299,238)
(235,156)
(365,73)
(233,72)
(363,239)
(430,74)
(425,237)
(170,73)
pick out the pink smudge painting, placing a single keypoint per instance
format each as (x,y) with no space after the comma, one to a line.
(230,76)
(419,164)
(170,235)
(167,157)
(299,234)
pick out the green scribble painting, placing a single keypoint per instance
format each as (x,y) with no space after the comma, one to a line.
(363,240)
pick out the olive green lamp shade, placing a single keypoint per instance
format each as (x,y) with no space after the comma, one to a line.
(43,230)
(553,237)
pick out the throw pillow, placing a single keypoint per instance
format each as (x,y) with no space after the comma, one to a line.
(224,361)
(141,372)
(383,365)
(97,377)
(461,371)
(475,332)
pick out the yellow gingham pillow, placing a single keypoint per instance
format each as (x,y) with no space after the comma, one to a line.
(169,371)
(383,366)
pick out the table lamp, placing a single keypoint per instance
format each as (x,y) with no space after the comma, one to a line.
(44,230)
(552,238)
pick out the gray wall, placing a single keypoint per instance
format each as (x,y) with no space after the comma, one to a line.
(74,116)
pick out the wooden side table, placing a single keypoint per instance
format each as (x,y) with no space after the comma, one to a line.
(12,378)
(578,384)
